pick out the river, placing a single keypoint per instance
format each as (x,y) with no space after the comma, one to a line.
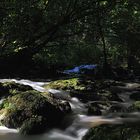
(80,125)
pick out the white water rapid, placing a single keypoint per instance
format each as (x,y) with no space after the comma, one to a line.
(80,125)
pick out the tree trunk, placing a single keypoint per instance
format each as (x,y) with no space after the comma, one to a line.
(100,28)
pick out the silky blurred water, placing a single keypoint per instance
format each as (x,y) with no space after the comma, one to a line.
(80,121)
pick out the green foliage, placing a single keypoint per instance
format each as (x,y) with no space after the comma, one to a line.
(69,32)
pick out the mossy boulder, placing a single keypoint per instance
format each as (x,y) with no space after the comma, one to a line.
(77,87)
(68,84)
(86,89)
(106,95)
(11,88)
(98,108)
(105,107)
(29,109)
(34,125)
(96,92)
(114,132)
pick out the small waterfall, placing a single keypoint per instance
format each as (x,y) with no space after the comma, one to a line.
(77,106)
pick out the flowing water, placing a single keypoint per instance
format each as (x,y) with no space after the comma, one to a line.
(80,124)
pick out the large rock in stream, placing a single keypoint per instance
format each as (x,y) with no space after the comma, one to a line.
(86,89)
(32,113)
(114,132)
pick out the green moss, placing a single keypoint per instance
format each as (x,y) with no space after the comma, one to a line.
(22,109)
(5,104)
(15,88)
(68,84)
(135,106)
(106,95)
(114,132)
(13,85)
(86,89)
(34,125)
(12,88)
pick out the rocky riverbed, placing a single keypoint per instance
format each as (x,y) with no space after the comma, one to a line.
(72,105)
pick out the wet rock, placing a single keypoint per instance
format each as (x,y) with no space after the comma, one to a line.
(105,107)
(17,86)
(23,108)
(11,88)
(84,95)
(135,96)
(60,94)
(107,84)
(34,125)
(77,87)
(106,95)
(65,106)
(127,88)
(67,84)
(114,132)
(97,108)
(87,90)
(96,92)
(135,106)
(78,84)
(118,108)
